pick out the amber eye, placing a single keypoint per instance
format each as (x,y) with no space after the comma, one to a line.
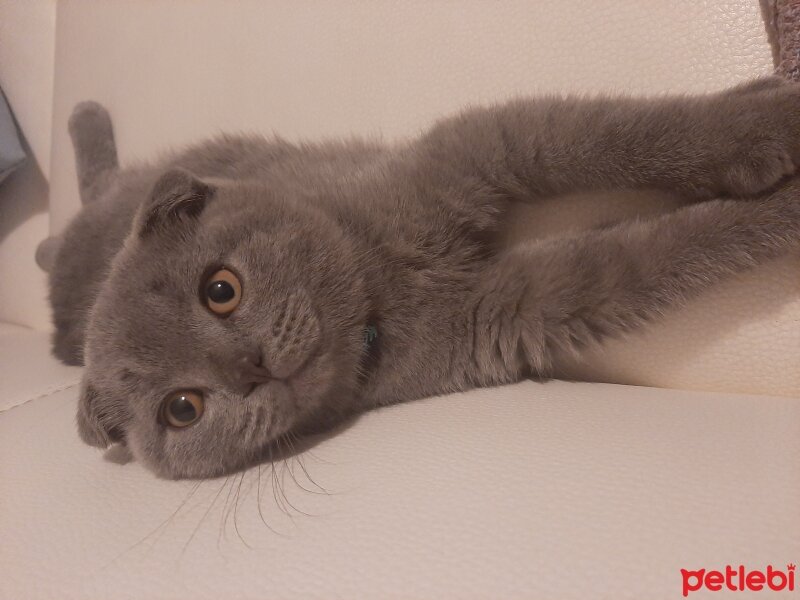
(183,408)
(223,292)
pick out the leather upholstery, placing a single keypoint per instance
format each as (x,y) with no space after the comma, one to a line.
(555,490)
(26,369)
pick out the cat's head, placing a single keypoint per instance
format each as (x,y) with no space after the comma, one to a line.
(230,317)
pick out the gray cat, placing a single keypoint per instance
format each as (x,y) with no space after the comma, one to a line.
(247,289)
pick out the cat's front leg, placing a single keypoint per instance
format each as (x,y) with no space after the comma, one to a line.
(545,300)
(762,143)
(738,142)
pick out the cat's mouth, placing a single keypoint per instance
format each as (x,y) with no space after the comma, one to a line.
(252,422)
(292,395)
(320,386)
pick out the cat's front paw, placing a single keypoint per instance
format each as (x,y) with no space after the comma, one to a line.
(762,121)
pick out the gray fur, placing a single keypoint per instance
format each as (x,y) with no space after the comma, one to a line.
(330,238)
(96,164)
(95,151)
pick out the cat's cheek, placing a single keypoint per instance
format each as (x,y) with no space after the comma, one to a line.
(315,383)
(144,453)
(155,451)
(328,385)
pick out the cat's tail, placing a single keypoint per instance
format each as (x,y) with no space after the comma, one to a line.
(95,151)
(95,163)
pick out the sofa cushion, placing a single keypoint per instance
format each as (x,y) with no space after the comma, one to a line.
(27,370)
(554,490)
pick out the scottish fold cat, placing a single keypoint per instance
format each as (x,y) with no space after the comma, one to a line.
(246,289)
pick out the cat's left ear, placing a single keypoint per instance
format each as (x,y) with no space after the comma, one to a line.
(177,199)
(101,417)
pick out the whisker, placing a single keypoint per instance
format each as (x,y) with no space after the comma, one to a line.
(236,510)
(205,514)
(223,522)
(258,424)
(285,467)
(296,482)
(305,471)
(275,487)
(161,526)
(258,500)
(282,486)
(308,451)
(177,510)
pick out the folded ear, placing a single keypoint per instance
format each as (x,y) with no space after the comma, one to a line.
(101,417)
(178,197)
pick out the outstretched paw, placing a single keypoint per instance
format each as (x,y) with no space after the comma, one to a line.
(763,119)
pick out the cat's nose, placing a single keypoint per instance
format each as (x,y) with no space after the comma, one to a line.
(246,371)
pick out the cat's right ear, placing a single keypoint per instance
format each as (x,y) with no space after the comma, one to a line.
(177,199)
(101,418)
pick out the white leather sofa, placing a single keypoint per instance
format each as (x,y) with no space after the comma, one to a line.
(555,490)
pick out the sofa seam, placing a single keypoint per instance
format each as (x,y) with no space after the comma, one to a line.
(49,392)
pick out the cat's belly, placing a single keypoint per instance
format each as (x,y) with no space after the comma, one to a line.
(575,212)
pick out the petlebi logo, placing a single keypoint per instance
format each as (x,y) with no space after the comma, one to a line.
(739,579)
